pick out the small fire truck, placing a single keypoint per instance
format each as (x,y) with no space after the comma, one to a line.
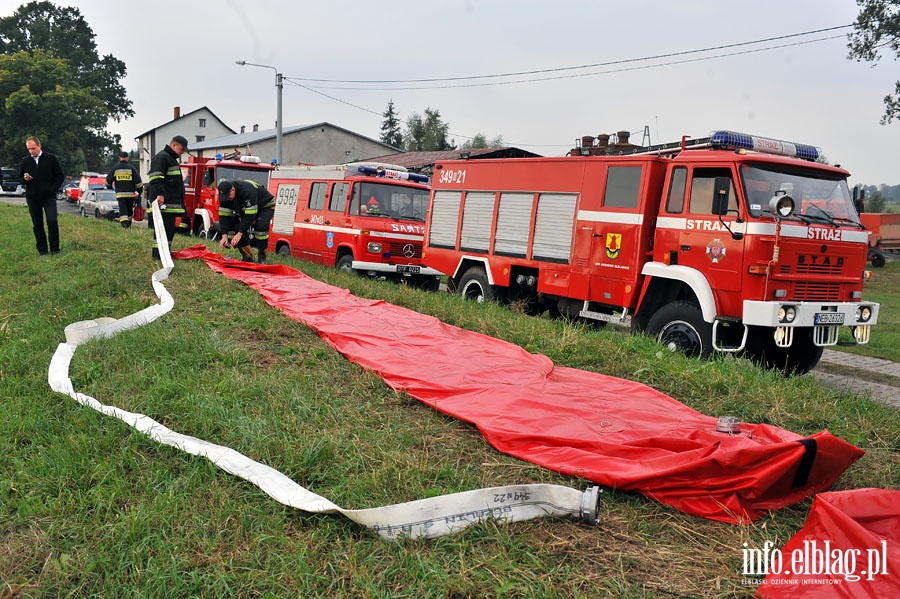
(201,200)
(365,217)
(731,243)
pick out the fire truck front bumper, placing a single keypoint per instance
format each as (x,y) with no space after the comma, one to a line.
(826,318)
(402,269)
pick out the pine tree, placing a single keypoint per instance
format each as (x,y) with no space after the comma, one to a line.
(390,127)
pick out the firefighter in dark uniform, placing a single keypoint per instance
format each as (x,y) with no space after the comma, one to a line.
(126,180)
(165,184)
(244,205)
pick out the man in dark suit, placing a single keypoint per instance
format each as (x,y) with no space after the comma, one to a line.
(42,175)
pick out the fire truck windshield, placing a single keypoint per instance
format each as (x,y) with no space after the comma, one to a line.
(231,173)
(817,195)
(388,200)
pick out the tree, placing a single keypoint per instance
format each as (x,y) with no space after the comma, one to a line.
(875,202)
(878,27)
(480,141)
(390,127)
(62,34)
(428,134)
(43,99)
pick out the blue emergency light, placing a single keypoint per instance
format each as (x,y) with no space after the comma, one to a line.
(734,140)
(380,171)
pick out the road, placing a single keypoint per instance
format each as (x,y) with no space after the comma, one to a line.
(876,378)
(63,207)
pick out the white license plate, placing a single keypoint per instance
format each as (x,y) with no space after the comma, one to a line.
(407,268)
(829,318)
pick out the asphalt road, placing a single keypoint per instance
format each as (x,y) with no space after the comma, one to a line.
(63,206)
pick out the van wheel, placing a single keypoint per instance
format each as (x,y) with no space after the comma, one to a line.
(345,263)
(283,250)
(680,327)
(427,282)
(474,286)
(81,210)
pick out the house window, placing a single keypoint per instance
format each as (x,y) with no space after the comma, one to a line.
(202,123)
(201,138)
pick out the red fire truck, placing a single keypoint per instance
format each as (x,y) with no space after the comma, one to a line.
(732,243)
(365,217)
(201,175)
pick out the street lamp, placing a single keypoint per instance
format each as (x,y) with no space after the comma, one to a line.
(279,84)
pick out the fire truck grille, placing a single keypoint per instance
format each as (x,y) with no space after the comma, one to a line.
(402,249)
(817,292)
(832,270)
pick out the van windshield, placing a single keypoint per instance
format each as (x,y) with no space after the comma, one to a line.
(389,200)
(816,194)
(231,173)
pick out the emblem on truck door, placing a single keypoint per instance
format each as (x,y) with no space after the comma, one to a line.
(613,245)
(715,250)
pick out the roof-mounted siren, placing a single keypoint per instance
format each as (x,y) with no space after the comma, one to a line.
(250,159)
(389,173)
(741,141)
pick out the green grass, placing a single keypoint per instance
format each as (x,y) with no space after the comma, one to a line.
(89,507)
(882,288)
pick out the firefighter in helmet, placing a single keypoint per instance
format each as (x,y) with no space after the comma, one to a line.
(245,206)
(126,180)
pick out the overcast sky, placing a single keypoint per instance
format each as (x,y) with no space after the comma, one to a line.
(183,53)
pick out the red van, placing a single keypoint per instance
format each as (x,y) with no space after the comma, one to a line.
(365,217)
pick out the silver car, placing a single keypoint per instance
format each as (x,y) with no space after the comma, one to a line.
(101,203)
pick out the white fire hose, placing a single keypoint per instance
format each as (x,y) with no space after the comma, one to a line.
(432,517)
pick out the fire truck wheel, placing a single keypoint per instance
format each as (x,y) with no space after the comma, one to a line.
(474,286)
(680,327)
(283,250)
(877,259)
(801,357)
(345,263)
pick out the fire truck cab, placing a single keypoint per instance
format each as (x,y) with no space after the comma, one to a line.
(732,243)
(365,217)
(201,200)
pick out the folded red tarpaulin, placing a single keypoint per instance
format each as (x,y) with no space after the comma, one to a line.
(849,547)
(614,432)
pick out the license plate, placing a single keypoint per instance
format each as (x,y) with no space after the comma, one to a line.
(407,268)
(829,318)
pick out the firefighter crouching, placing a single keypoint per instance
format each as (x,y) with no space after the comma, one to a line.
(166,185)
(126,180)
(244,205)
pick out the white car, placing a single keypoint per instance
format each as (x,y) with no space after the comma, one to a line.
(101,203)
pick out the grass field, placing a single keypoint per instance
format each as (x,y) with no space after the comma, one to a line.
(88,507)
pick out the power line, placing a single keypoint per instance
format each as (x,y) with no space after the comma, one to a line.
(574,76)
(571,68)
(315,88)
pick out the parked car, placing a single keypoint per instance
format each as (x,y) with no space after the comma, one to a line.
(9,185)
(101,203)
(70,192)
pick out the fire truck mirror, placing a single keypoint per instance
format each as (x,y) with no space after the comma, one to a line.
(720,197)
